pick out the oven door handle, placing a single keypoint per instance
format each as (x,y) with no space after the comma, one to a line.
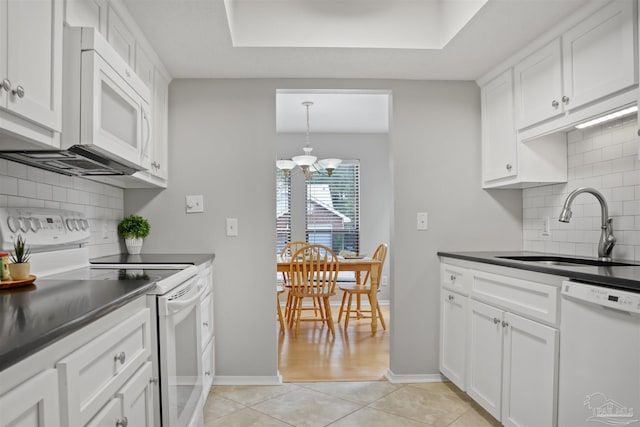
(179,304)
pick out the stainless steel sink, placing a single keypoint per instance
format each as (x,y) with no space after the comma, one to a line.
(567,261)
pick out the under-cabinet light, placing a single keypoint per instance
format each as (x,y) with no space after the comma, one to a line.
(608,117)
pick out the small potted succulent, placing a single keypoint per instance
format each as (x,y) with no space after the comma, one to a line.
(133,229)
(20,266)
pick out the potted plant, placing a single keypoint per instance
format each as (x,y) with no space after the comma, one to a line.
(133,229)
(20,266)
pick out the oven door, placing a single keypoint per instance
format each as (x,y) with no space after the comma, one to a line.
(179,331)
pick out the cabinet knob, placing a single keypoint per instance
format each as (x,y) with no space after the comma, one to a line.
(496,320)
(565,100)
(638,132)
(6,85)
(122,422)
(205,324)
(505,324)
(509,167)
(450,297)
(207,373)
(19,91)
(453,278)
(120,357)
(153,380)
(555,104)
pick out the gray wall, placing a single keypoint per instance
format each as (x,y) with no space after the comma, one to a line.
(372,152)
(223,144)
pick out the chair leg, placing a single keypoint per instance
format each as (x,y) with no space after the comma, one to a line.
(381,318)
(320,308)
(344,299)
(327,309)
(346,319)
(287,307)
(292,311)
(280,319)
(299,315)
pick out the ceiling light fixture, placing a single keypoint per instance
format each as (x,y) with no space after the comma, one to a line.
(308,163)
(608,117)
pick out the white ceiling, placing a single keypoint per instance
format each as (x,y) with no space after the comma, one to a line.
(193,39)
(335,112)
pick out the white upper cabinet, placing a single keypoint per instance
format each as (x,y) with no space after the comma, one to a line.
(600,55)
(120,37)
(538,86)
(87,13)
(144,66)
(31,67)
(499,139)
(594,60)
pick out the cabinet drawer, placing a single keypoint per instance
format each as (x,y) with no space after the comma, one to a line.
(207,319)
(531,299)
(92,374)
(455,278)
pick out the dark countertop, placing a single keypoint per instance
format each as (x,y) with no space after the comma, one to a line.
(195,259)
(34,316)
(622,277)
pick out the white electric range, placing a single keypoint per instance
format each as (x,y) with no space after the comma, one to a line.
(58,237)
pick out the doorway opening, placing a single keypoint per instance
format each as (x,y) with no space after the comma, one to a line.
(352,216)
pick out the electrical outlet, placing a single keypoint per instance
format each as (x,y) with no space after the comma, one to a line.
(423,220)
(194,204)
(232,227)
(384,282)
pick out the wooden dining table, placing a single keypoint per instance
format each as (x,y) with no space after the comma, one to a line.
(357,265)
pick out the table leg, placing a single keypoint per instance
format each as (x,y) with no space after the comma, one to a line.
(373,276)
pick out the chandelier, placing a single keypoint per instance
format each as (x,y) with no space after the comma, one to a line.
(307,163)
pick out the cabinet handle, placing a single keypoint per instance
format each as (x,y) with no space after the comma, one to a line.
(509,167)
(120,357)
(555,104)
(505,324)
(496,320)
(6,85)
(453,278)
(638,132)
(450,297)
(207,373)
(565,100)
(122,422)
(206,324)
(19,91)
(153,380)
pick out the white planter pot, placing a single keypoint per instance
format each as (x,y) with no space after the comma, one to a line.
(134,245)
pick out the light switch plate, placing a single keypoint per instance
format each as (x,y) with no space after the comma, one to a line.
(232,227)
(194,204)
(423,221)
(546,226)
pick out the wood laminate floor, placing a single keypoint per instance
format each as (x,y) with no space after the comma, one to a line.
(354,354)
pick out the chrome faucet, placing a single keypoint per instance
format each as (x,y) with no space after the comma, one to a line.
(607,239)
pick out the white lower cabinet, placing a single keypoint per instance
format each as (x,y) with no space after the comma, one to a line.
(137,398)
(33,403)
(453,336)
(513,366)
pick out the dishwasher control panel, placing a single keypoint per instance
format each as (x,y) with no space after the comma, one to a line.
(606,297)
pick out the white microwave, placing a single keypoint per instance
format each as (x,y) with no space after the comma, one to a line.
(106,106)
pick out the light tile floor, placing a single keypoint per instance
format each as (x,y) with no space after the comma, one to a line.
(344,404)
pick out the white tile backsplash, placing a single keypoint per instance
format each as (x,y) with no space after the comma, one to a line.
(103,204)
(604,157)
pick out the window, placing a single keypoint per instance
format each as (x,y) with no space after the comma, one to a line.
(283,210)
(333,208)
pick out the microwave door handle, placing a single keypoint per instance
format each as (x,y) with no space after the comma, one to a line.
(145,117)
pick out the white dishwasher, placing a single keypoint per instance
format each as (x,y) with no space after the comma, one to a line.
(599,356)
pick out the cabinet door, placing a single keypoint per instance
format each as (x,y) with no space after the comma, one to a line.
(530,373)
(143,66)
(484,380)
(109,416)
(119,36)
(453,337)
(206,310)
(160,164)
(599,54)
(33,403)
(34,61)
(538,86)
(86,13)
(499,139)
(137,398)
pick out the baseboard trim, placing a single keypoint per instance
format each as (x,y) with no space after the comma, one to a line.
(405,379)
(247,380)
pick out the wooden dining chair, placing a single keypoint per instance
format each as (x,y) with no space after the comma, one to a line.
(286,253)
(352,289)
(313,272)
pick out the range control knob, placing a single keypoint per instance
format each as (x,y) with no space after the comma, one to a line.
(84,224)
(13,224)
(24,224)
(72,224)
(36,224)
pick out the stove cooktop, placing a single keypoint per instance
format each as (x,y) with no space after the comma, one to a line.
(148,274)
